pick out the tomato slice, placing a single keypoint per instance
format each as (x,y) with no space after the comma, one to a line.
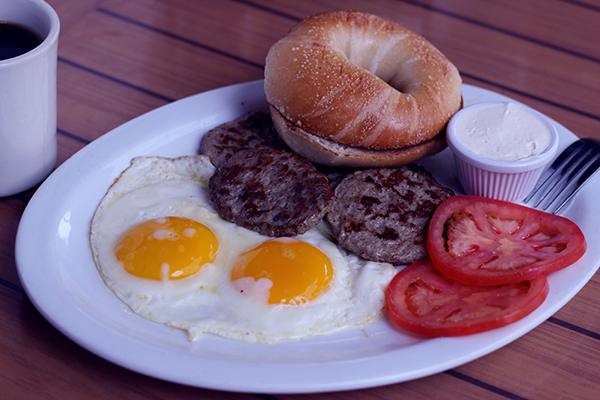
(482,241)
(422,300)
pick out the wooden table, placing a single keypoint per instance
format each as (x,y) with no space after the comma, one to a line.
(120,59)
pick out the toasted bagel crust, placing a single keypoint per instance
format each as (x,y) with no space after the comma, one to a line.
(325,152)
(360,81)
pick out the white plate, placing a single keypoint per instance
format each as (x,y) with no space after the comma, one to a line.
(57,271)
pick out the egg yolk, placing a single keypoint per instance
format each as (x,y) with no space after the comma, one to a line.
(166,248)
(299,271)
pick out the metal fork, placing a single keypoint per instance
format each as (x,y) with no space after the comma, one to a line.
(564,178)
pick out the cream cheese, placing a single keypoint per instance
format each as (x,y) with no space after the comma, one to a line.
(503,131)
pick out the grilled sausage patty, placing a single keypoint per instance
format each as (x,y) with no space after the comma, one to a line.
(272,192)
(249,131)
(383,214)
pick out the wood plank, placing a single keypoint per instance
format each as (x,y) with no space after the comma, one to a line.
(39,362)
(11,209)
(122,59)
(578,124)
(90,105)
(544,364)
(590,4)
(150,60)
(180,22)
(71,11)
(227,26)
(495,57)
(553,22)
(583,310)
(439,387)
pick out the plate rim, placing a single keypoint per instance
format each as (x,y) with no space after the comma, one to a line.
(87,336)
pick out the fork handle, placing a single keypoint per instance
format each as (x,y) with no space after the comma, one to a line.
(592,142)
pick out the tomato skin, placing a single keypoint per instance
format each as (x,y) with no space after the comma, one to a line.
(422,300)
(498,242)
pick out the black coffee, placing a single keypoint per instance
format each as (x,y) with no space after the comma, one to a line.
(16,40)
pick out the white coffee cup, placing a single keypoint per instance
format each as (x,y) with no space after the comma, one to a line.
(28,100)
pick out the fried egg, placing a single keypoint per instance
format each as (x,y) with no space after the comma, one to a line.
(162,248)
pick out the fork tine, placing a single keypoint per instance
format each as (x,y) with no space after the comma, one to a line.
(566,158)
(561,181)
(567,175)
(587,174)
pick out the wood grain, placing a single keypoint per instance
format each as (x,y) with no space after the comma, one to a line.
(121,59)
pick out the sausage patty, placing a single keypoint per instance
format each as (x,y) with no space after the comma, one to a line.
(383,214)
(249,131)
(272,192)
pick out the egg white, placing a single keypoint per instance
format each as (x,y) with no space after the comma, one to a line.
(208,302)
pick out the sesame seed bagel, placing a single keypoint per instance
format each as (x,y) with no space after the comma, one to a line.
(356,85)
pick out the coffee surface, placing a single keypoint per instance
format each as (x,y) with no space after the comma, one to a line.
(16,40)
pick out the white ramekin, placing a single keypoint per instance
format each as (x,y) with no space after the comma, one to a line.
(502,180)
